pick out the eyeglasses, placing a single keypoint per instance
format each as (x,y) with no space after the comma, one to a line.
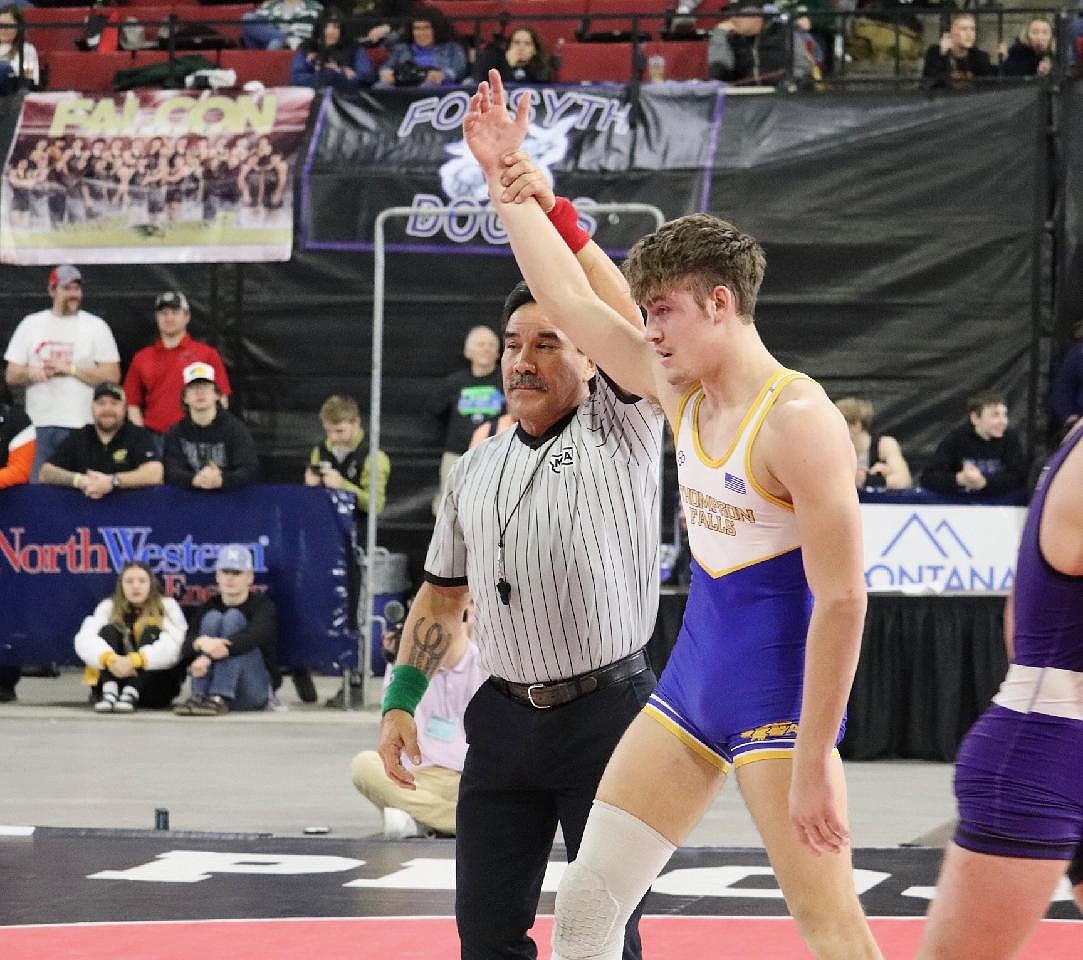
(8,26)
(231,573)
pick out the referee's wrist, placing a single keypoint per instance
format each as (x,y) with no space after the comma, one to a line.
(407,687)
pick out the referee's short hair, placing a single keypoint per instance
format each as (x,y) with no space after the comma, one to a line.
(520,296)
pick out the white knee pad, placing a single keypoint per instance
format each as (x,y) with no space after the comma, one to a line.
(618,860)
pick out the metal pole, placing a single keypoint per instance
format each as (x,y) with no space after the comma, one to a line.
(376,390)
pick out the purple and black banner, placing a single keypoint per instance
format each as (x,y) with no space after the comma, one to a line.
(406,148)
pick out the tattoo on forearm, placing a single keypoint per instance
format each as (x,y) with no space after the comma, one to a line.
(429,647)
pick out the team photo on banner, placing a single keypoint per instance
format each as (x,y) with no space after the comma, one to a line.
(153,176)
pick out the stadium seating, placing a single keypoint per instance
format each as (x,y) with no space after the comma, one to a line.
(94,72)
(270,67)
(602,62)
(685,59)
(568,20)
(599,23)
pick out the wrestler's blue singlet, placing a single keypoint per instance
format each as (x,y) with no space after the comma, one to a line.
(731,689)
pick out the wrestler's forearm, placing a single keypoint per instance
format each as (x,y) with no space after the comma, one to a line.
(561,289)
(831,655)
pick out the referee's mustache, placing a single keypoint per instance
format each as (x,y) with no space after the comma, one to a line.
(526,381)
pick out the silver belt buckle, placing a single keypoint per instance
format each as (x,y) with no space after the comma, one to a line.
(530,696)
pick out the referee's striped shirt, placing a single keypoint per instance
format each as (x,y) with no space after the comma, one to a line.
(580,549)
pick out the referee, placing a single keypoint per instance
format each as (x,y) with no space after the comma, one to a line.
(551,528)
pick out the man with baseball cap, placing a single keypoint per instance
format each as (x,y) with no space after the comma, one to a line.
(107,454)
(155,377)
(59,355)
(210,448)
(232,654)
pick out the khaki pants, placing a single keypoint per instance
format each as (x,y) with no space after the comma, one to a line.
(432,804)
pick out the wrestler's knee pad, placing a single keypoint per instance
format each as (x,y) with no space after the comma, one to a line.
(618,860)
(586,917)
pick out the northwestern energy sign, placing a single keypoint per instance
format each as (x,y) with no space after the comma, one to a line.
(934,549)
(60,554)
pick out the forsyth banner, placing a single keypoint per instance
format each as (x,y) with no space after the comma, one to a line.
(60,554)
(152,176)
(406,148)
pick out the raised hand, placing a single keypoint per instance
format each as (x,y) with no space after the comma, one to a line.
(491,132)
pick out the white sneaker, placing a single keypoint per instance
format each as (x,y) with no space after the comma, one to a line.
(107,704)
(399,825)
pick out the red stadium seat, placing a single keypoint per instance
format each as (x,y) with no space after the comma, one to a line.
(269,67)
(569,15)
(598,26)
(465,16)
(595,61)
(54,28)
(685,59)
(87,72)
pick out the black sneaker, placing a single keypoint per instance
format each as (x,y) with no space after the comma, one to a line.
(302,683)
(7,694)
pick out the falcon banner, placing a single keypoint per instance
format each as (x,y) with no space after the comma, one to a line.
(148,176)
(597,144)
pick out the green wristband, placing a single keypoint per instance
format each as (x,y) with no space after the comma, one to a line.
(406,688)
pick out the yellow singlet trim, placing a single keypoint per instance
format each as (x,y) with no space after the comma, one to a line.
(745,420)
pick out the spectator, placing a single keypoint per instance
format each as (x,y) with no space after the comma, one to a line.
(1066,391)
(131,642)
(752,48)
(381,20)
(956,59)
(18,57)
(804,38)
(1031,55)
(520,59)
(232,653)
(280,24)
(432,58)
(331,59)
(108,454)
(16,442)
(880,461)
(983,457)
(155,378)
(60,355)
(210,449)
(430,808)
(466,399)
(339,462)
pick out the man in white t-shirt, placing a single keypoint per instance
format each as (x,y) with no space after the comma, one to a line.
(60,355)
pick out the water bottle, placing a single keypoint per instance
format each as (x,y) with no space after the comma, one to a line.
(656,68)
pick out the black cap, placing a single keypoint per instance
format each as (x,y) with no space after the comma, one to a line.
(109,389)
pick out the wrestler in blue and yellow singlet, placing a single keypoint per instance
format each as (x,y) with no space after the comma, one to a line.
(731,689)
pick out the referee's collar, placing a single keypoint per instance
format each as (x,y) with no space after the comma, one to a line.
(535,442)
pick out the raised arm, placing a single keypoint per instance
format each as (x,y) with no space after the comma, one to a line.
(550,269)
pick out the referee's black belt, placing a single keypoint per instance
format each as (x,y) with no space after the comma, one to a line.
(556,693)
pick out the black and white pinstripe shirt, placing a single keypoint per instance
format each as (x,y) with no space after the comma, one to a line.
(580,550)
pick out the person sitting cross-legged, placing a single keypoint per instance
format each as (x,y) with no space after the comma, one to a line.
(131,643)
(429,808)
(232,650)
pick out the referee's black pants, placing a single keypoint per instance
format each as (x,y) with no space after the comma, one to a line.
(526,771)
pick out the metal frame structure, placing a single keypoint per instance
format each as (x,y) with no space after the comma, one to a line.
(376,393)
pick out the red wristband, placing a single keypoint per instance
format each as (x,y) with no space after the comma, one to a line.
(564,217)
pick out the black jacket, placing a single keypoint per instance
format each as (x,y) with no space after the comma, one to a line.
(225,441)
(943,69)
(260,634)
(1001,461)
